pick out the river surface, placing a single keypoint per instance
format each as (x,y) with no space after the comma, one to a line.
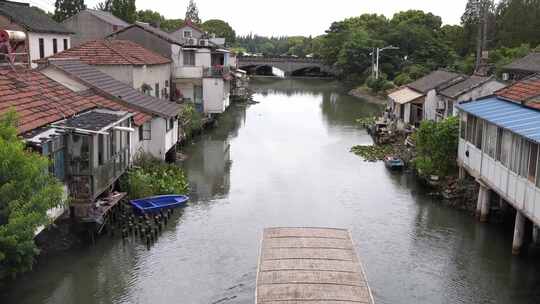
(286,162)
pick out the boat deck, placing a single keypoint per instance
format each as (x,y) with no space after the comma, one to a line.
(310,266)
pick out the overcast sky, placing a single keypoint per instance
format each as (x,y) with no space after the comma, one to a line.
(289,17)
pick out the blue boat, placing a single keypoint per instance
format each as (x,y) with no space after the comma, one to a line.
(394,163)
(157,203)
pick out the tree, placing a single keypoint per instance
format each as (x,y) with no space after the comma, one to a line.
(171,24)
(27,191)
(192,13)
(150,16)
(221,28)
(63,9)
(104,6)
(124,9)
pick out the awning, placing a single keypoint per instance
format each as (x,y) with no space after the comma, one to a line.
(404,95)
(514,117)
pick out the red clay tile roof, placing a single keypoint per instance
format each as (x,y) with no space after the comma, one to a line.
(522,91)
(112,52)
(39,101)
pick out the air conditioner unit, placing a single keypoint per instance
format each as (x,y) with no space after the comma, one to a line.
(203,42)
(190,41)
(505,76)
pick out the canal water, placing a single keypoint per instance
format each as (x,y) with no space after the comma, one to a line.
(285,162)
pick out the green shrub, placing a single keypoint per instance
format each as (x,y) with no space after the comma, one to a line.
(436,146)
(152,177)
(402,78)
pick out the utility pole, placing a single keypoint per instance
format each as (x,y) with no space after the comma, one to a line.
(377,54)
(482,13)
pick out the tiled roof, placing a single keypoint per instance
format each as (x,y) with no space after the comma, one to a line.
(113,88)
(112,52)
(107,17)
(464,86)
(433,80)
(39,101)
(529,63)
(152,30)
(522,91)
(31,18)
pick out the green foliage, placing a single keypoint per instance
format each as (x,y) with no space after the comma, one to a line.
(503,56)
(170,25)
(153,177)
(221,28)
(402,79)
(191,120)
(27,191)
(373,153)
(436,146)
(192,13)
(379,85)
(63,9)
(124,9)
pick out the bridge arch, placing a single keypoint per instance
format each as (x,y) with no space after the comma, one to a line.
(289,65)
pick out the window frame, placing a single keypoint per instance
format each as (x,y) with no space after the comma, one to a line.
(66,46)
(147,130)
(184,32)
(55,45)
(41,43)
(189,61)
(156,88)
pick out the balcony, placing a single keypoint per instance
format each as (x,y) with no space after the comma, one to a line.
(216,71)
(188,72)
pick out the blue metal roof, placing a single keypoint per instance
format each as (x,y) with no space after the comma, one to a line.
(508,115)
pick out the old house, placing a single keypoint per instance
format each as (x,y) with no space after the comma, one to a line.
(84,134)
(128,62)
(498,145)
(200,70)
(157,136)
(523,67)
(434,97)
(472,88)
(91,24)
(418,100)
(44,36)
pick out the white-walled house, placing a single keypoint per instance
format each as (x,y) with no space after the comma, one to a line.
(472,88)
(44,36)
(92,24)
(157,136)
(127,62)
(499,146)
(434,96)
(192,63)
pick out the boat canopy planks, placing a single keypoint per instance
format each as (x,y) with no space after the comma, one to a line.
(310,265)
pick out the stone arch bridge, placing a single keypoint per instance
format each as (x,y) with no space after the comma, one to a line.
(289,65)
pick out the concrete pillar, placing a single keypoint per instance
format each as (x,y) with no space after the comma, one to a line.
(536,235)
(519,233)
(484,211)
(482,205)
(461,173)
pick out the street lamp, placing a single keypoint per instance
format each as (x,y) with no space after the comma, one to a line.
(379,50)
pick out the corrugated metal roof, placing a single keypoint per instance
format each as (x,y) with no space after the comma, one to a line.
(521,120)
(100,81)
(404,95)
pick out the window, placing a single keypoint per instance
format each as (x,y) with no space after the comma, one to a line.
(506,148)
(147,131)
(533,161)
(54,46)
(170,124)
(479,133)
(189,58)
(101,148)
(463,125)
(112,144)
(156,87)
(491,140)
(66,44)
(471,124)
(524,164)
(141,136)
(41,48)
(515,155)
(187,34)
(499,144)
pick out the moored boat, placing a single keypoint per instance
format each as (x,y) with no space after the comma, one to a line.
(394,163)
(157,203)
